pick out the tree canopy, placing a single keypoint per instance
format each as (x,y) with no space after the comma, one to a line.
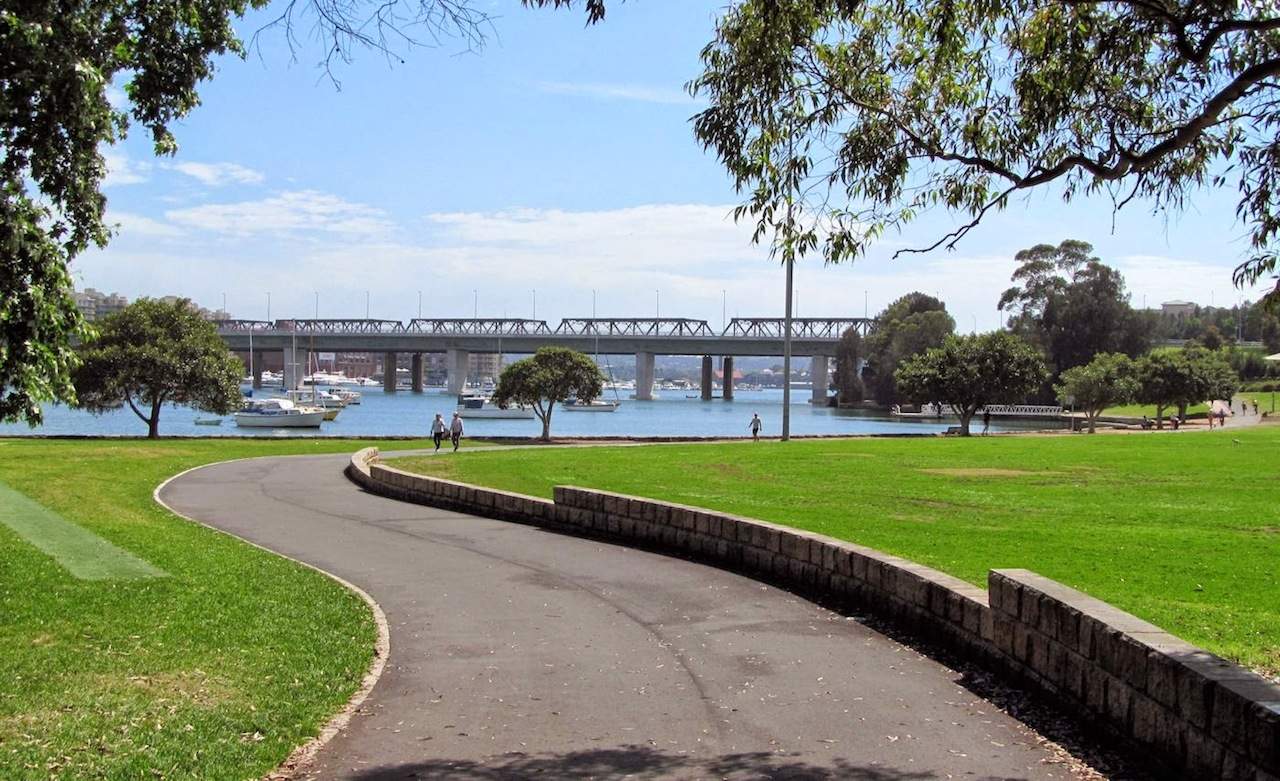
(552,374)
(841,120)
(907,327)
(1178,378)
(55,119)
(1073,306)
(970,372)
(849,387)
(152,353)
(1104,382)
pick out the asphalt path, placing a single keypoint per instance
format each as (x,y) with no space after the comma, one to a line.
(521,653)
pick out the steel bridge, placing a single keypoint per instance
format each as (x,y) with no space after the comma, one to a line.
(814,337)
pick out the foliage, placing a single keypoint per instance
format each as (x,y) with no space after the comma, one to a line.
(1104,382)
(849,387)
(1165,527)
(1177,378)
(1072,306)
(55,120)
(153,353)
(907,327)
(552,374)
(969,372)
(841,120)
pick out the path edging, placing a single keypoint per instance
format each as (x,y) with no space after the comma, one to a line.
(302,755)
(1195,712)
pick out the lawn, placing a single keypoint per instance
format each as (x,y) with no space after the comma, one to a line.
(1181,529)
(134,644)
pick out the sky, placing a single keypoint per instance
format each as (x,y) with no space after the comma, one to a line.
(554,165)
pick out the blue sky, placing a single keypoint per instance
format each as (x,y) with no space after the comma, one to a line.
(559,159)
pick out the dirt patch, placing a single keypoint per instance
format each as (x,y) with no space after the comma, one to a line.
(985,472)
(730,470)
(193,686)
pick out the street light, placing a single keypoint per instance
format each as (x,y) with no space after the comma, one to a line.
(657,305)
(475,304)
(419,304)
(724,311)
(268,307)
(317,304)
(535,303)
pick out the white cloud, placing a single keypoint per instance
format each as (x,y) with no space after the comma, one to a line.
(217,174)
(306,211)
(131,225)
(632,92)
(121,170)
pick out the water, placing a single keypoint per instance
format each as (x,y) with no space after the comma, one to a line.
(410,414)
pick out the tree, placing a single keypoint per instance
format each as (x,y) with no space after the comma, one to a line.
(907,327)
(552,374)
(152,353)
(859,116)
(1179,378)
(849,387)
(1104,382)
(55,120)
(970,372)
(1073,306)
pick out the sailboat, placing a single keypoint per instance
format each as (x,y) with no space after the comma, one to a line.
(597,405)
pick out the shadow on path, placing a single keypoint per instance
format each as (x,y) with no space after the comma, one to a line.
(636,762)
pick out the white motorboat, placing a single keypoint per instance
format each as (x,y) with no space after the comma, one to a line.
(349,396)
(595,405)
(478,406)
(278,413)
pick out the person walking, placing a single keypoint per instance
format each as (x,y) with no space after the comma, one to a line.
(755,425)
(455,431)
(986,422)
(438,429)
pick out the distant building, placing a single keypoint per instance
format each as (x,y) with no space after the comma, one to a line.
(1178,309)
(95,305)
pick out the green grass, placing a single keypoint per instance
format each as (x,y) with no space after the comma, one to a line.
(1180,529)
(216,670)
(1138,410)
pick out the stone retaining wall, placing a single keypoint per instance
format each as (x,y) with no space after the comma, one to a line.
(1199,714)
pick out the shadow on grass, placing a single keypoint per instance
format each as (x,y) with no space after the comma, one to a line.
(636,762)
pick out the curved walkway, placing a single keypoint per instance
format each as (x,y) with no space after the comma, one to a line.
(519,653)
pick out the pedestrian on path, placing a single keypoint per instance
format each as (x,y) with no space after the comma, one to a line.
(1212,415)
(986,422)
(437,430)
(756,424)
(455,431)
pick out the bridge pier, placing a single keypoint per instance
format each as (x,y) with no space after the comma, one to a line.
(644,376)
(707,377)
(415,373)
(727,384)
(256,359)
(818,368)
(295,367)
(458,363)
(389,372)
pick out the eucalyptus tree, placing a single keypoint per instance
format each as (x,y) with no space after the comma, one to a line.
(841,120)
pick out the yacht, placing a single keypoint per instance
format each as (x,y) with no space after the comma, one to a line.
(481,406)
(278,413)
(314,397)
(347,395)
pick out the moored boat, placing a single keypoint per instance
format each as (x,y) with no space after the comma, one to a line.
(278,413)
(595,405)
(479,406)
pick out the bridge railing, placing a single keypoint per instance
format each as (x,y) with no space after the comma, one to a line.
(479,327)
(244,326)
(633,326)
(801,327)
(341,326)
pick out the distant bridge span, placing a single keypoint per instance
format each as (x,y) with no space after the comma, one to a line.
(644,337)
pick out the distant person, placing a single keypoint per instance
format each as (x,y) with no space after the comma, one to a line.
(1146,423)
(1255,406)
(1212,415)
(438,429)
(1175,421)
(755,425)
(1222,418)
(986,422)
(455,431)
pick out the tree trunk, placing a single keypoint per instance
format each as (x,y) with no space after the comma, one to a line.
(153,425)
(546,424)
(1092,417)
(1159,417)
(965,417)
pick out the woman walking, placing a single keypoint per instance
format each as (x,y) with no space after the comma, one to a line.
(437,430)
(455,431)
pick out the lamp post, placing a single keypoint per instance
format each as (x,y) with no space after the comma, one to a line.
(786,354)
(317,304)
(535,303)
(475,304)
(366,308)
(268,306)
(419,304)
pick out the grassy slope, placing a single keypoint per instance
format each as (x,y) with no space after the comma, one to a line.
(1181,529)
(216,671)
